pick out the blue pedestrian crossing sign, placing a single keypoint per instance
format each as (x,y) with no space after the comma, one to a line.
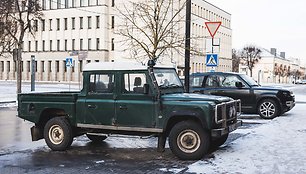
(212,60)
(69,62)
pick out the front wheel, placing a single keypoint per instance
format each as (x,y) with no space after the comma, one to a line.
(268,109)
(188,140)
(58,134)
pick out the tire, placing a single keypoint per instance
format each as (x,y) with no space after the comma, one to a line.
(268,109)
(96,138)
(58,134)
(188,140)
(219,141)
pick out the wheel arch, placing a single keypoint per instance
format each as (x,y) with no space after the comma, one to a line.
(184,116)
(271,97)
(50,113)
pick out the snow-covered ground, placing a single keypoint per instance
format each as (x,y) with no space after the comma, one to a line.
(275,147)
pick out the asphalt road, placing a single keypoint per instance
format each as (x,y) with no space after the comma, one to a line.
(117,154)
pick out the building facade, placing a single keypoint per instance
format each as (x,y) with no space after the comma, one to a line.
(85,31)
(274,67)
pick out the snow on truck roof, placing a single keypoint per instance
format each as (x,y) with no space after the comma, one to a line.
(96,66)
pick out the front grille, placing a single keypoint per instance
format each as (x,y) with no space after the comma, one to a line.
(227,112)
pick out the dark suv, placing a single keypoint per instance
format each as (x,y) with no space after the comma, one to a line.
(268,102)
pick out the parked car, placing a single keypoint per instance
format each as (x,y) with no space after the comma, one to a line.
(268,102)
(298,81)
(129,99)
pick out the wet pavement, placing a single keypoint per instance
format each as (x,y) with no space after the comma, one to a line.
(117,154)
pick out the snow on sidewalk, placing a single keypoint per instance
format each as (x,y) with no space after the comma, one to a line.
(275,147)
(8,89)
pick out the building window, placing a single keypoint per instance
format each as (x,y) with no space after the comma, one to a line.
(57,66)
(58,24)
(98,21)
(65,24)
(89,44)
(89,22)
(81,22)
(66,3)
(50,65)
(43,25)
(29,46)
(35,25)
(97,43)
(73,3)
(113,21)
(73,23)
(58,45)
(43,45)
(113,3)
(73,44)
(66,45)
(43,66)
(50,24)
(81,44)
(44,4)
(36,46)
(113,45)
(82,3)
(50,4)
(50,45)
(59,4)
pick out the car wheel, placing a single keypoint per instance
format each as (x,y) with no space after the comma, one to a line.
(219,141)
(58,134)
(96,138)
(188,140)
(268,109)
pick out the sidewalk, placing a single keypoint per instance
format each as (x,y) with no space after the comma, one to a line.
(8,89)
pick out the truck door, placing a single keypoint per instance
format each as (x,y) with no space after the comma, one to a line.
(100,104)
(133,107)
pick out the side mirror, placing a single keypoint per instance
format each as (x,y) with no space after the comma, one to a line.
(238,84)
(146,88)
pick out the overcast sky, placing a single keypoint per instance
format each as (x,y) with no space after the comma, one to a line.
(276,24)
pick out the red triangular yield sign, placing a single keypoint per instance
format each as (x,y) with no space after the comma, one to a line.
(212,27)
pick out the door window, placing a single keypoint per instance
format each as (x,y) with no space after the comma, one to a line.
(101,83)
(213,81)
(230,81)
(133,83)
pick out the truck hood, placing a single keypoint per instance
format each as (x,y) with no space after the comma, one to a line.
(270,88)
(194,97)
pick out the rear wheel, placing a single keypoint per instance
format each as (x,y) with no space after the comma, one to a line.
(58,134)
(268,109)
(96,138)
(188,140)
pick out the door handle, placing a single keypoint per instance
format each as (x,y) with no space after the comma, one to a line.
(122,107)
(92,106)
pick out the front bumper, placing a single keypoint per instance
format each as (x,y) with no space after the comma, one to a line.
(290,105)
(222,131)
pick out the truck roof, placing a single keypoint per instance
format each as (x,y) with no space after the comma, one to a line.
(113,66)
(96,66)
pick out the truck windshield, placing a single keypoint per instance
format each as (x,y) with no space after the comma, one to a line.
(167,78)
(249,80)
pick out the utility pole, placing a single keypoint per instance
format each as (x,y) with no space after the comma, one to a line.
(187,44)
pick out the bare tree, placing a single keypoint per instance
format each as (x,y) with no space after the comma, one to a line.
(235,60)
(150,27)
(249,56)
(17,17)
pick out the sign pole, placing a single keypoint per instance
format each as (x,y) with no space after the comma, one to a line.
(33,73)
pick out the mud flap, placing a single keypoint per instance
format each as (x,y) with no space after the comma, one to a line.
(36,133)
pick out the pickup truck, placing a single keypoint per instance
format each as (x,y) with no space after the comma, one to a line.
(131,99)
(268,102)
